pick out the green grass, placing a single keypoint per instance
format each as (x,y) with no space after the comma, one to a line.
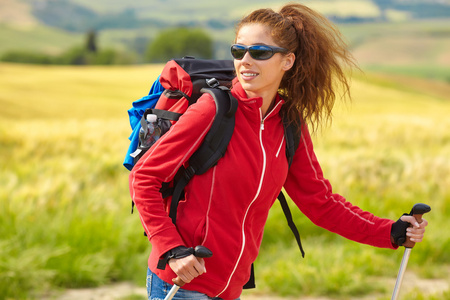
(64,200)
(40,39)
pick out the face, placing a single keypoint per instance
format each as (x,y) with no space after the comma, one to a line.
(260,78)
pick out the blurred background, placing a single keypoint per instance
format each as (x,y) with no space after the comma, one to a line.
(389,34)
(70,70)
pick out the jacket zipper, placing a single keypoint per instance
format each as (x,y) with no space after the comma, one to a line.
(270,112)
(254,199)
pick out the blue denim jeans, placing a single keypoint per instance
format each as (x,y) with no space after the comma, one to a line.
(157,289)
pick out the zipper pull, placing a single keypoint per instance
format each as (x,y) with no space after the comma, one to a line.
(262,124)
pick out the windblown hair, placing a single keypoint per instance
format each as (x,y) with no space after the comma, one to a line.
(321,57)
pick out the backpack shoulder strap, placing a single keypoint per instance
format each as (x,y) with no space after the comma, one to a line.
(290,221)
(214,145)
(219,135)
(292,137)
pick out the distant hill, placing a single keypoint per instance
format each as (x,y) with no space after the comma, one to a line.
(82,15)
(389,33)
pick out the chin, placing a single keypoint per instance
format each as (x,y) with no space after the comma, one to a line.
(248,87)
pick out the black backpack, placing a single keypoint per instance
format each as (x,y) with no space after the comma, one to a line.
(180,84)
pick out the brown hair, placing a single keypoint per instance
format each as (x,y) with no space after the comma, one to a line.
(321,54)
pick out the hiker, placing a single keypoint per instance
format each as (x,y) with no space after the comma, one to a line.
(286,65)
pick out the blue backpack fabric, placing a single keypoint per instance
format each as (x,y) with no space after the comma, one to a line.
(135,114)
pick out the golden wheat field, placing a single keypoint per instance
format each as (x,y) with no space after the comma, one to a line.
(64,202)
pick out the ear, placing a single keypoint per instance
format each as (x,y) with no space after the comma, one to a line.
(289,60)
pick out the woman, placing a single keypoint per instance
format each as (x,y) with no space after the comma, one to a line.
(286,63)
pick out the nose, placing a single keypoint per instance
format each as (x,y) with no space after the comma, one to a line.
(247,59)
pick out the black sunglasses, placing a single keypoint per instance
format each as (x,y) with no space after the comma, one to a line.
(258,52)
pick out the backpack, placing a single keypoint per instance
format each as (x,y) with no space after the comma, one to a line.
(181,83)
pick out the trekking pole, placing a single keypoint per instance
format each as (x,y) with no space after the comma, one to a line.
(417,211)
(199,251)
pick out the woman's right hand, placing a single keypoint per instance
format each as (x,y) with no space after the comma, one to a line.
(187,268)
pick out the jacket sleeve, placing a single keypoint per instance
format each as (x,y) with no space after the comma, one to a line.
(312,193)
(160,164)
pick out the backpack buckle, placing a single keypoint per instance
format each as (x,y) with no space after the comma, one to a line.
(212,83)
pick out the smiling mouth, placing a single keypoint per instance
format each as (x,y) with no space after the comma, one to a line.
(246,74)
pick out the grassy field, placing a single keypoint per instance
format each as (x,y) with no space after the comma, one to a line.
(65,208)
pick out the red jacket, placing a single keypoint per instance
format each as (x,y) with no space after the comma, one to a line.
(227,207)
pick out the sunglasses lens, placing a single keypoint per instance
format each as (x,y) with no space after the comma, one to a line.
(238,51)
(260,52)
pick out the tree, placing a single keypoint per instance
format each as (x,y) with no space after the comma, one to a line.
(179,42)
(91,41)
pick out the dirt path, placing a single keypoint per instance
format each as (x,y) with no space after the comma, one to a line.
(122,290)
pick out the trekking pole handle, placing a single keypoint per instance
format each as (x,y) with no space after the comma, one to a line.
(417,212)
(199,251)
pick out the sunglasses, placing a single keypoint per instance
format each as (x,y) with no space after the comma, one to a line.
(258,52)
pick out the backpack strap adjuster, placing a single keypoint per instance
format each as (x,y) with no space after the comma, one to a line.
(189,173)
(212,82)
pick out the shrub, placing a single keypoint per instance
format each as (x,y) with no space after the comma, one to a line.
(179,42)
(27,57)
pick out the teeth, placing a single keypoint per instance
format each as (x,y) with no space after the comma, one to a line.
(249,74)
